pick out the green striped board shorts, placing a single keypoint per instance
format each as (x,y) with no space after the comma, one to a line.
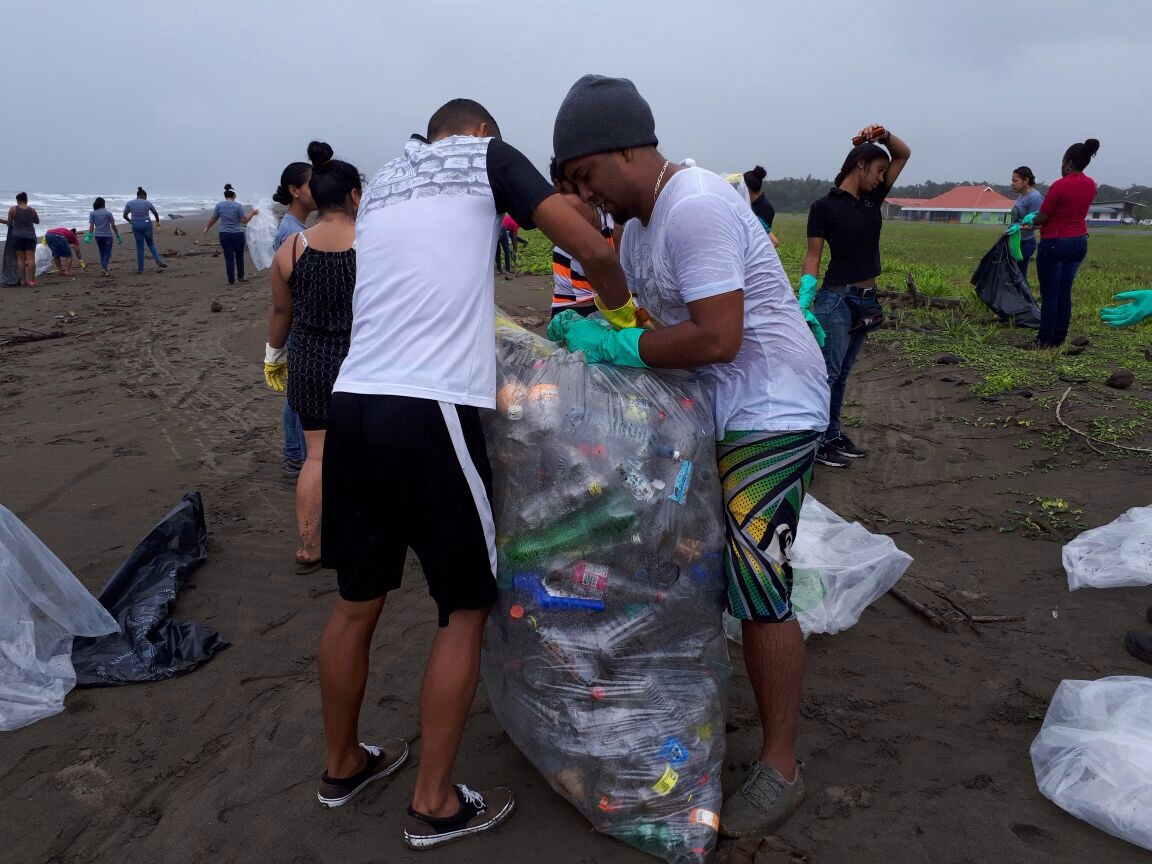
(765,476)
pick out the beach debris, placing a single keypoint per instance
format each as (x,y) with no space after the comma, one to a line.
(1081,342)
(149,645)
(179,233)
(174,216)
(26,336)
(42,607)
(527,320)
(1091,438)
(949,359)
(1075,350)
(1121,379)
(217,306)
(924,612)
(1116,555)
(1093,755)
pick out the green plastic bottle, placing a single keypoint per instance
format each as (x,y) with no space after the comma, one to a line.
(593,526)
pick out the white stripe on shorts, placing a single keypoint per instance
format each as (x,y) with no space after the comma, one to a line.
(479,494)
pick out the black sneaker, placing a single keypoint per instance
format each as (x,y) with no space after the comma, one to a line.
(479,811)
(382,761)
(830,456)
(843,445)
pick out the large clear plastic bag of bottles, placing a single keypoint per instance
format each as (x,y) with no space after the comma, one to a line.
(605,657)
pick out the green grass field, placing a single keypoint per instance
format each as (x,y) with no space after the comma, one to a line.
(941,259)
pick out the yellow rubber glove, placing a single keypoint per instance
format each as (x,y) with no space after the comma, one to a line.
(621,318)
(276,368)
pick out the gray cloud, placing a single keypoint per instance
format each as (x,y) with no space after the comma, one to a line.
(183,98)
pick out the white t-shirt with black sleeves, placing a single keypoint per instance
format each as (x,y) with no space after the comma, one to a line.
(426,233)
(702,241)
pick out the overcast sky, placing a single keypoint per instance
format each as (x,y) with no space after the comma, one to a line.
(183,97)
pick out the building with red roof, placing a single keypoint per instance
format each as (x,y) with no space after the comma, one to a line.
(961,204)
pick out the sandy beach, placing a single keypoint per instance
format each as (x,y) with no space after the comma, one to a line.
(915,738)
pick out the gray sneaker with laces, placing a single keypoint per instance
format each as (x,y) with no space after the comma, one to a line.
(762,804)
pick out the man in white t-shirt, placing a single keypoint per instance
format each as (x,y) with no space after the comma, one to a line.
(699,262)
(404,459)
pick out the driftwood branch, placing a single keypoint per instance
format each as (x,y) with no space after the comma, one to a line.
(1091,438)
(34,336)
(918,607)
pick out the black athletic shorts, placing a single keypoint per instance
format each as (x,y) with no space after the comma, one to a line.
(401,472)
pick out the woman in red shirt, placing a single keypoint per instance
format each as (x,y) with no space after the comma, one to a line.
(1063,241)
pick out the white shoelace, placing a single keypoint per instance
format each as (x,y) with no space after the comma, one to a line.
(472,797)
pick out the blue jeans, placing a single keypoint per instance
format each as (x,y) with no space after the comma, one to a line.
(841,346)
(104,244)
(143,234)
(1027,250)
(294,446)
(232,243)
(505,247)
(1056,264)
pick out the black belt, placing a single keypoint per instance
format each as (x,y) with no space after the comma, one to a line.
(851,290)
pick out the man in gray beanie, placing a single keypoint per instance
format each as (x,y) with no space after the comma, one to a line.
(699,262)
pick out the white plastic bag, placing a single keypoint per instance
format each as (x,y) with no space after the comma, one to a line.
(261,232)
(1093,756)
(839,568)
(43,257)
(1115,555)
(42,606)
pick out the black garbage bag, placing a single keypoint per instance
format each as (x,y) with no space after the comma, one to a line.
(151,646)
(1001,286)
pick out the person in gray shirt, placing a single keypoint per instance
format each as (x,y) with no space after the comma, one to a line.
(136,213)
(230,214)
(1028,200)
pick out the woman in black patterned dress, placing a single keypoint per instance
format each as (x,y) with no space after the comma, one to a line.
(313,276)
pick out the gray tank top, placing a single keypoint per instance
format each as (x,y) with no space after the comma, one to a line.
(24,222)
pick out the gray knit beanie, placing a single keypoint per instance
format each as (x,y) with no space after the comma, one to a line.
(599,115)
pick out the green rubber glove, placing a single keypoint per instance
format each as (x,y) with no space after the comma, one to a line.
(1014,244)
(597,340)
(1138,307)
(88,237)
(1029,219)
(119,239)
(806,299)
(1014,228)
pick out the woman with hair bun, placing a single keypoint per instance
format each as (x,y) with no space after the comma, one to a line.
(1027,201)
(293,193)
(764,211)
(1063,241)
(313,276)
(230,213)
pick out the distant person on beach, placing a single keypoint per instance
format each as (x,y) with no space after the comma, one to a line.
(102,226)
(293,193)
(22,222)
(1028,200)
(504,246)
(136,213)
(405,461)
(64,245)
(230,214)
(313,276)
(1063,241)
(848,219)
(764,211)
(570,288)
